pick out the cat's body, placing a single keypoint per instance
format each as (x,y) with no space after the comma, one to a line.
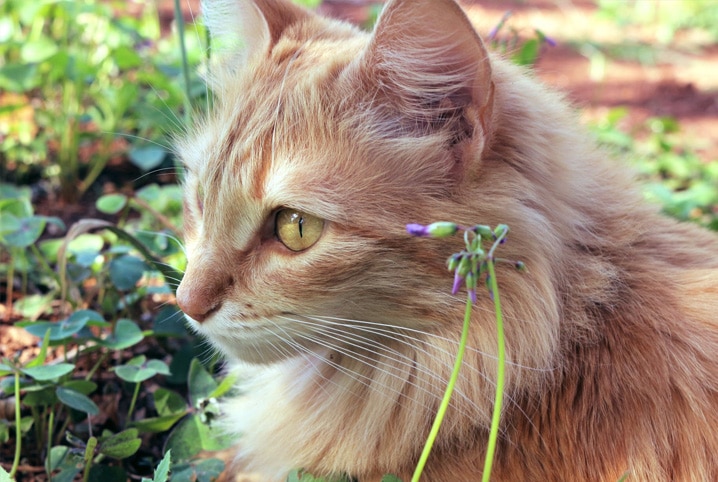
(345,345)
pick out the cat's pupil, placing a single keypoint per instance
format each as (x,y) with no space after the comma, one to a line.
(297,230)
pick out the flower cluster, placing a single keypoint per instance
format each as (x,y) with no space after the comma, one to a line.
(470,264)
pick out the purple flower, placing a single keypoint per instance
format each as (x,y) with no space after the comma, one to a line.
(471,286)
(418,230)
(440,229)
(457,282)
(472,295)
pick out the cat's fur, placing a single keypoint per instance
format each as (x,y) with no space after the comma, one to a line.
(345,348)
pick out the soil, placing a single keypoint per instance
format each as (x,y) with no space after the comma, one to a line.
(677,79)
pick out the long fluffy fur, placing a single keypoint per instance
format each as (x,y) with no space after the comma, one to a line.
(344,349)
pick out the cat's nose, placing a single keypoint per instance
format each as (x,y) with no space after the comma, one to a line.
(202,292)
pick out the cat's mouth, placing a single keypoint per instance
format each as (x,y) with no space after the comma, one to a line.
(261,340)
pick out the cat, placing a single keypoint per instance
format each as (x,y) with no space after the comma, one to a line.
(324,141)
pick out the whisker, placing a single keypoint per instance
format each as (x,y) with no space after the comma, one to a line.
(371,382)
(403,359)
(167,147)
(390,332)
(387,329)
(175,169)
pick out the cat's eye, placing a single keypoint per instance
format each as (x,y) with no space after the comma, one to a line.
(297,230)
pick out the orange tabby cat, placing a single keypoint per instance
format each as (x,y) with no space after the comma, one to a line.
(324,141)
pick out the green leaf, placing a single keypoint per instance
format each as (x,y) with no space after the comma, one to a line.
(16,204)
(86,243)
(528,53)
(171,407)
(147,157)
(40,396)
(206,470)
(138,369)
(200,382)
(85,387)
(183,440)
(300,475)
(191,436)
(126,334)
(308,3)
(38,50)
(108,473)
(227,383)
(157,424)
(169,322)
(390,478)
(126,57)
(121,445)
(163,469)
(126,271)
(169,402)
(63,459)
(19,78)
(76,400)
(9,225)
(67,327)
(48,372)
(40,359)
(21,232)
(34,306)
(111,203)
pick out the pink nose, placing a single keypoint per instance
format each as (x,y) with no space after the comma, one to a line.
(202,292)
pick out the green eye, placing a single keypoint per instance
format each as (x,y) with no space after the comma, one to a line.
(297,230)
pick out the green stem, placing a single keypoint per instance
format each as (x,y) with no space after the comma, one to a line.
(10,284)
(89,453)
(134,400)
(94,368)
(500,377)
(18,431)
(47,269)
(185,62)
(50,426)
(447,396)
(97,165)
(66,423)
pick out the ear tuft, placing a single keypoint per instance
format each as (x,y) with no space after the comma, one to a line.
(242,29)
(237,28)
(428,59)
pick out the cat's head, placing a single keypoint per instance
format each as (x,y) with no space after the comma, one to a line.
(324,141)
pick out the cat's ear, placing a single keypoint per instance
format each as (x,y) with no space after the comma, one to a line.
(241,29)
(429,60)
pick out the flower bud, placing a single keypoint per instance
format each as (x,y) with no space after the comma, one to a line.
(464,267)
(457,283)
(471,286)
(453,262)
(483,231)
(417,230)
(442,229)
(500,230)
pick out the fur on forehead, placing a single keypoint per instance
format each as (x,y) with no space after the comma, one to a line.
(402,112)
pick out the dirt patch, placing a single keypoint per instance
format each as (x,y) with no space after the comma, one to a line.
(601,66)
